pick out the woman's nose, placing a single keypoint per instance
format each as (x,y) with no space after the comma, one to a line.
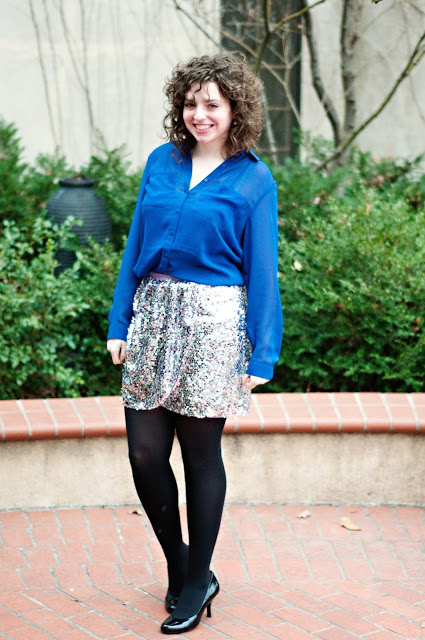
(199,113)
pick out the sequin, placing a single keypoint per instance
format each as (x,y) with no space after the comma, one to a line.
(187,349)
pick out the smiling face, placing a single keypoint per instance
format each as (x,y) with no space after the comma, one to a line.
(207,115)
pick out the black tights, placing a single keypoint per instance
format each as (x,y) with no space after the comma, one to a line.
(150,438)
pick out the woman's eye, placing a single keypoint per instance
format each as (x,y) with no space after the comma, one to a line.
(214,106)
(188,104)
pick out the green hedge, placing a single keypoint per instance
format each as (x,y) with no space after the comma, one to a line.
(53,326)
(353,291)
(351,255)
(52,341)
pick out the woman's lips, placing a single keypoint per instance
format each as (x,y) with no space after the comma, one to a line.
(202,127)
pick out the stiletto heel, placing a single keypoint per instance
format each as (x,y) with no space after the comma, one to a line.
(181,625)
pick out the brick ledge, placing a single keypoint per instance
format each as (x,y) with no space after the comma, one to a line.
(270,413)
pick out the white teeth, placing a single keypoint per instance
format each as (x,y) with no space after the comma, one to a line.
(202,127)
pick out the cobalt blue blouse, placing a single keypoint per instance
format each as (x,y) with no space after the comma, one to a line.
(223,231)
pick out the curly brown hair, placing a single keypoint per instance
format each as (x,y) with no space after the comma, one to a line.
(237,82)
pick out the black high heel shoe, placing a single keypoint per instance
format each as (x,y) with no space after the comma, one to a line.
(170,602)
(181,625)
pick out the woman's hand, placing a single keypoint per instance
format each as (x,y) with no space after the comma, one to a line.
(252,381)
(117,350)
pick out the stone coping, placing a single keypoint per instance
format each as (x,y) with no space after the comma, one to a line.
(270,413)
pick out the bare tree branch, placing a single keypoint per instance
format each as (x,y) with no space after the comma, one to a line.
(416,56)
(269,131)
(267,35)
(55,72)
(258,54)
(267,9)
(197,24)
(269,30)
(297,14)
(44,73)
(82,81)
(317,78)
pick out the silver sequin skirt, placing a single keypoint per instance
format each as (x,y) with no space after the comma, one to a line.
(187,349)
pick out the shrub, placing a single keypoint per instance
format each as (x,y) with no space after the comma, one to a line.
(24,189)
(354,297)
(303,192)
(54,326)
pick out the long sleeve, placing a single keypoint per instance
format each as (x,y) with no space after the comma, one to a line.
(122,307)
(264,313)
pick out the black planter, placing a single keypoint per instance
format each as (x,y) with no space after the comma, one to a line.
(77,198)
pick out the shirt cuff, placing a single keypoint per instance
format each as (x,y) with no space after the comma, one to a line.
(117,332)
(260,369)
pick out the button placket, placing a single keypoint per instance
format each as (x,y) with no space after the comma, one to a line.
(172,233)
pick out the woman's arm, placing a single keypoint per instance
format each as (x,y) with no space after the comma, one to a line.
(264,312)
(122,308)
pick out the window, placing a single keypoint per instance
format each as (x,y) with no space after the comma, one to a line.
(243,19)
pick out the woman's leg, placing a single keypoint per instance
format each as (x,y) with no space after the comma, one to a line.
(200,441)
(150,437)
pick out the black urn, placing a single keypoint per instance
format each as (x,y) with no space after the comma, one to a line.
(76,197)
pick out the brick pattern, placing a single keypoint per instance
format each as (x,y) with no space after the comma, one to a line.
(93,573)
(269,413)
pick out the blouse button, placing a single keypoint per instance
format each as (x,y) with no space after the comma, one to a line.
(205,179)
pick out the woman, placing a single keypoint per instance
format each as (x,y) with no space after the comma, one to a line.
(200,274)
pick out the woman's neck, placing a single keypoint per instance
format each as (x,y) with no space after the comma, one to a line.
(209,154)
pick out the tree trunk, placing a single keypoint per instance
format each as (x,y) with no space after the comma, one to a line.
(316,75)
(350,31)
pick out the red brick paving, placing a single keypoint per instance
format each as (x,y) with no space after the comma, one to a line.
(81,574)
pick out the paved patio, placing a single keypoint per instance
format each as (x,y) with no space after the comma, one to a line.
(84,573)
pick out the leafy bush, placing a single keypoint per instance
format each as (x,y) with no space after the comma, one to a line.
(25,190)
(54,324)
(354,296)
(52,341)
(11,169)
(303,192)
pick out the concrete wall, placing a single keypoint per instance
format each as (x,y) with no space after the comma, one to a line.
(75,73)
(321,468)
(389,32)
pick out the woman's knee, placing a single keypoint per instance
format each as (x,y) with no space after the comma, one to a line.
(203,462)
(146,457)
(150,438)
